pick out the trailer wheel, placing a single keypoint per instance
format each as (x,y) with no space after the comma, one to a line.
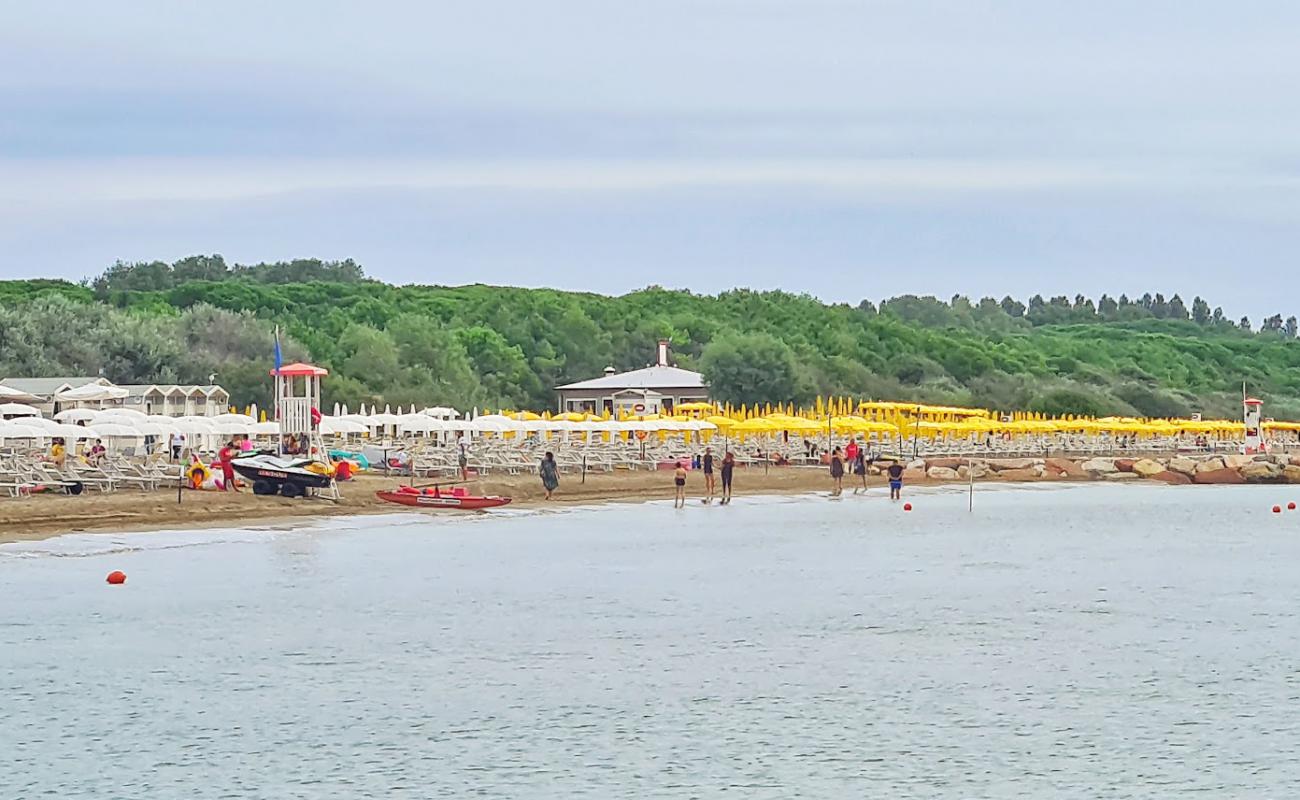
(290,490)
(263,487)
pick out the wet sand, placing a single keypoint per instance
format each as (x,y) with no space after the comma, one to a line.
(45,515)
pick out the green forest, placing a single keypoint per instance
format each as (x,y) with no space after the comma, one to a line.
(493,346)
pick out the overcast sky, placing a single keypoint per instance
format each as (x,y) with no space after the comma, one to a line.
(848,149)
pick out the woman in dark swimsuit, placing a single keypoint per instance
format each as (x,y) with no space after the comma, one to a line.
(728,465)
(837,473)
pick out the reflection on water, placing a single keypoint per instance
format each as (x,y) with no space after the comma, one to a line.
(1083,642)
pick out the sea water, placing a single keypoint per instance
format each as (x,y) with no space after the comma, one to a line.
(1096,641)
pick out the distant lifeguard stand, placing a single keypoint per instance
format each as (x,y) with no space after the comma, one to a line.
(297,409)
(1252,409)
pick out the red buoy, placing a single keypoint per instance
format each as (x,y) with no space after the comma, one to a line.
(1290,506)
(117,577)
(907,506)
(1277,509)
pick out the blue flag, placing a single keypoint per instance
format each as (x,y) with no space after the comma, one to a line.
(279,359)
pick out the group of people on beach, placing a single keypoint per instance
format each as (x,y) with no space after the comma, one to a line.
(727,469)
(858,460)
(856,457)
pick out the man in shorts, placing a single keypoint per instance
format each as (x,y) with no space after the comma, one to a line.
(895,480)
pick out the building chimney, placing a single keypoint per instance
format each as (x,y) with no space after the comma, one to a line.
(662,359)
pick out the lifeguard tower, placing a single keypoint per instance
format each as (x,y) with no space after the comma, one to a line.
(1252,409)
(297,409)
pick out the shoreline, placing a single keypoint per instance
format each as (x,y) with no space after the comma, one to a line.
(47,515)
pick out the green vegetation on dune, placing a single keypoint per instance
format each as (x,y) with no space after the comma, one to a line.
(500,346)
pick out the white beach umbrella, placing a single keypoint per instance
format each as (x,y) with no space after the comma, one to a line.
(442,412)
(331,426)
(69,432)
(146,427)
(11,395)
(386,418)
(116,430)
(234,427)
(418,423)
(16,430)
(18,410)
(194,426)
(268,428)
(120,414)
(233,418)
(90,393)
(73,415)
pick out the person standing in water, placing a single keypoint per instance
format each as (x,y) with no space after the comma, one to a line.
(728,466)
(895,481)
(837,473)
(679,486)
(550,474)
(860,469)
(710,485)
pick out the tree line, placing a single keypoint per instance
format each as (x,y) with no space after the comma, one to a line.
(498,347)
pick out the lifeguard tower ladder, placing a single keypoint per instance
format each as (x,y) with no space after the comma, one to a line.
(297,407)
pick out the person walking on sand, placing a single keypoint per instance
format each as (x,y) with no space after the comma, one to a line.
(178,444)
(550,474)
(679,486)
(851,452)
(728,466)
(706,464)
(860,469)
(462,460)
(837,472)
(895,481)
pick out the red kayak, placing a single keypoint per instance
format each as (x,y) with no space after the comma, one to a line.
(428,498)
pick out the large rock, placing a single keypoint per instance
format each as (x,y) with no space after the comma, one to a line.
(1224,475)
(1026,474)
(1175,478)
(942,474)
(1121,476)
(946,463)
(1210,465)
(1261,472)
(1294,461)
(1000,464)
(1148,468)
(910,474)
(916,464)
(1183,465)
(1099,466)
(1125,464)
(1291,473)
(1236,461)
(1065,467)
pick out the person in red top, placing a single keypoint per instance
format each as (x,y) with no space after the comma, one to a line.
(851,452)
(224,457)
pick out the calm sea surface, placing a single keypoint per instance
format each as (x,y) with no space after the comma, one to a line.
(1089,642)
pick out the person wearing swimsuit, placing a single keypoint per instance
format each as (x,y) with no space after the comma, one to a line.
(860,469)
(709,483)
(728,466)
(837,473)
(679,484)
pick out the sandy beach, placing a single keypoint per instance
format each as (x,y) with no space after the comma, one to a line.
(46,515)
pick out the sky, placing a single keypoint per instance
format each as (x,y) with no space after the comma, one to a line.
(846,149)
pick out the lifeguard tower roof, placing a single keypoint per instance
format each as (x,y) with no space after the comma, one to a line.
(300,369)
